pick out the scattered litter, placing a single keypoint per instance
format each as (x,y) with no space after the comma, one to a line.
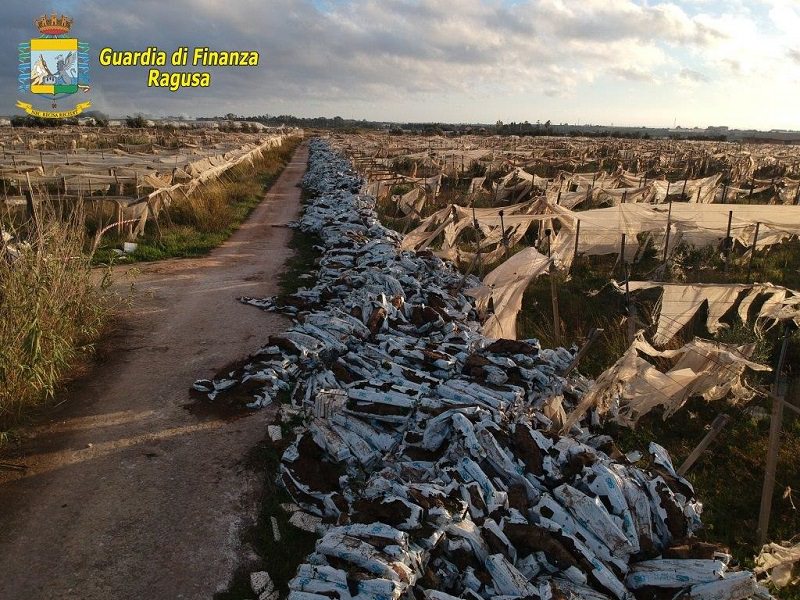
(429,448)
(274,432)
(305,521)
(261,584)
(778,562)
(276,533)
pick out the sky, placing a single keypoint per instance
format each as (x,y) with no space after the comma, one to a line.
(693,63)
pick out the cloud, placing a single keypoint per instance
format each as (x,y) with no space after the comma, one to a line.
(693,76)
(632,74)
(398,58)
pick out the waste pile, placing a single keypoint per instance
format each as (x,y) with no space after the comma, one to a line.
(430,452)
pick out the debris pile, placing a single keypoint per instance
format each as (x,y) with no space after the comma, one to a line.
(430,452)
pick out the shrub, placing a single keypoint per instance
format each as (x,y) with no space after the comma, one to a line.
(52,310)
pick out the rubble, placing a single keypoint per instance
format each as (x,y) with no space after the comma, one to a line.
(427,455)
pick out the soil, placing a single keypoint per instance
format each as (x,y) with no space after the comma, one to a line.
(127,492)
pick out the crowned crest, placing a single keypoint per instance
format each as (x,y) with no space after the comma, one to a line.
(53,65)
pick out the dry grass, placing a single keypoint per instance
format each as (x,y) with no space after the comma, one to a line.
(192,226)
(52,310)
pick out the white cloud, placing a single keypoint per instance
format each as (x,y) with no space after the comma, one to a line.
(400,59)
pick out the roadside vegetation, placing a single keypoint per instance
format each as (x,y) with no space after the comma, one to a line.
(55,297)
(53,308)
(192,226)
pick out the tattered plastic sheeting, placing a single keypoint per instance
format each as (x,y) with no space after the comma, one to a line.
(632,386)
(500,295)
(701,191)
(782,304)
(476,185)
(412,202)
(439,474)
(698,225)
(199,172)
(778,562)
(451,221)
(679,303)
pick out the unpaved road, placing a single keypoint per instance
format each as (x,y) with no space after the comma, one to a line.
(128,494)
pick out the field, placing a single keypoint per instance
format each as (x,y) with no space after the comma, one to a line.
(78,201)
(732,222)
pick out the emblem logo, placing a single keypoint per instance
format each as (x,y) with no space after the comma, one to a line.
(53,66)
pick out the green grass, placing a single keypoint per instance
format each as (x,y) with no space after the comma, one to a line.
(728,478)
(299,269)
(279,559)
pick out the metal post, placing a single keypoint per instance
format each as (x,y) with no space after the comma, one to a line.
(775,423)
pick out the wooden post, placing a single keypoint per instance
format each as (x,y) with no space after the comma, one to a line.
(554,301)
(717,426)
(666,197)
(775,423)
(577,235)
(752,252)
(622,253)
(29,205)
(752,185)
(683,191)
(503,227)
(593,333)
(558,198)
(631,308)
(724,192)
(477,240)
(41,161)
(728,241)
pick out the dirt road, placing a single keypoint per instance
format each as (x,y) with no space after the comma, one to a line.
(128,494)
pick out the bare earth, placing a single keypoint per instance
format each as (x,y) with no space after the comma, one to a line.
(128,494)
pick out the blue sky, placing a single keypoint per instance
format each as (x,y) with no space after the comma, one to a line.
(628,62)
